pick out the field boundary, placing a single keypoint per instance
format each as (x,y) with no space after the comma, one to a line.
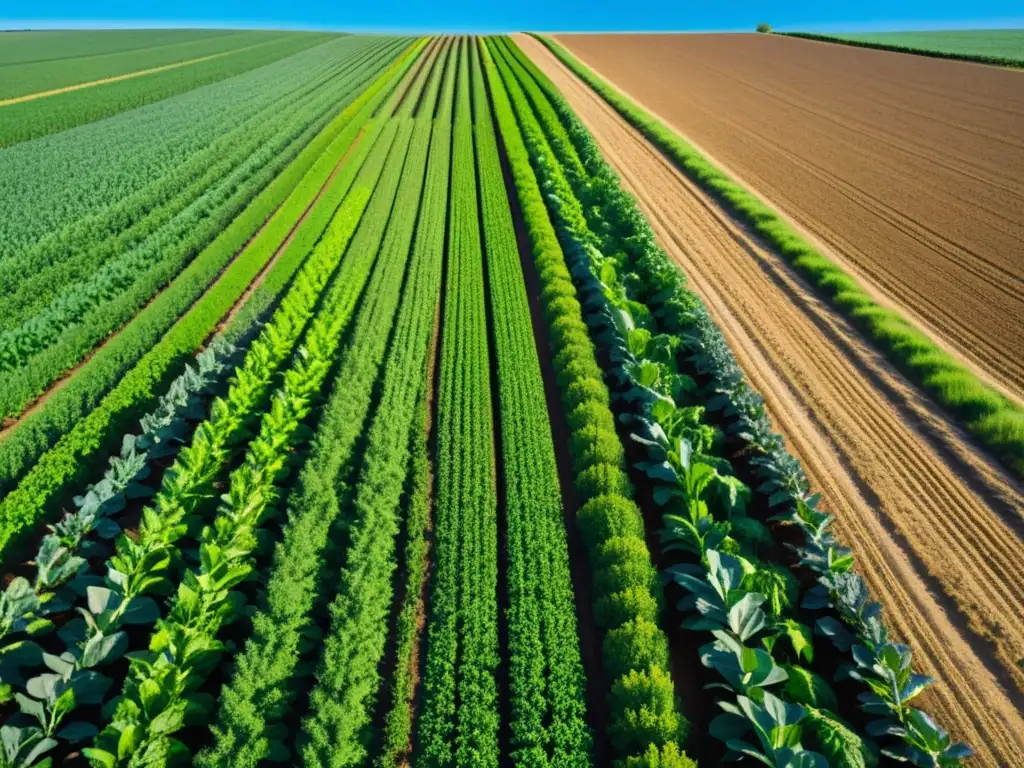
(992,418)
(974,58)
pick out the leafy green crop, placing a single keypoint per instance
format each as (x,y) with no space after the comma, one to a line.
(707,516)
(63,313)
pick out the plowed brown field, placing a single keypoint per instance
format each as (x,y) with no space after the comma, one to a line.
(936,529)
(909,170)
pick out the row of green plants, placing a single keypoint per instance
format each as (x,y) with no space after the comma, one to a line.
(258,714)
(29,281)
(186,645)
(994,420)
(425,276)
(88,531)
(56,339)
(36,72)
(546,678)
(631,295)
(400,692)
(41,117)
(60,423)
(458,718)
(151,563)
(689,481)
(336,729)
(646,727)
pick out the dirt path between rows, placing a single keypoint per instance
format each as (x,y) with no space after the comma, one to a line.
(126,76)
(908,170)
(935,526)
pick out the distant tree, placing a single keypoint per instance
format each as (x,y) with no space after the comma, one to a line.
(765,28)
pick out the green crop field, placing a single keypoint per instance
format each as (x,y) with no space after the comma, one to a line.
(996,46)
(64,60)
(354,416)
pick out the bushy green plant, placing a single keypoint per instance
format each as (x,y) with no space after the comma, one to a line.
(603,480)
(637,644)
(615,609)
(668,756)
(645,711)
(605,517)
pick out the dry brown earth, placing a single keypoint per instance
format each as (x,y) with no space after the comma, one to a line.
(909,169)
(935,527)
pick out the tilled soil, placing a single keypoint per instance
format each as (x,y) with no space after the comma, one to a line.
(909,170)
(935,527)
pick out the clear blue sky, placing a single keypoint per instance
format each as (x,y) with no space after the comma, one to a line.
(541,15)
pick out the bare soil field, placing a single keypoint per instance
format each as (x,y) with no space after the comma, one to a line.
(909,170)
(935,527)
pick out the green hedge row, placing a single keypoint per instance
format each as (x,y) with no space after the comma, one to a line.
(993,419)
(646,725)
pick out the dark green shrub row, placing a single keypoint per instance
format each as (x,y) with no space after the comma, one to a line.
(646,723)
(995,421)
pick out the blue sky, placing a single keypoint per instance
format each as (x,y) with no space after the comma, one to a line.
(540,15)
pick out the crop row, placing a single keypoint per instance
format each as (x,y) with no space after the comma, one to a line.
(459,718)
(53,339)
(548,702)
(40,73)
(76,439)
(72,253)
(27,438)
(158,694)
(997,422)
(688,407)
(646,726)
(186,646)
(703,502)
(414,342)
(126,154)
(335,731)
